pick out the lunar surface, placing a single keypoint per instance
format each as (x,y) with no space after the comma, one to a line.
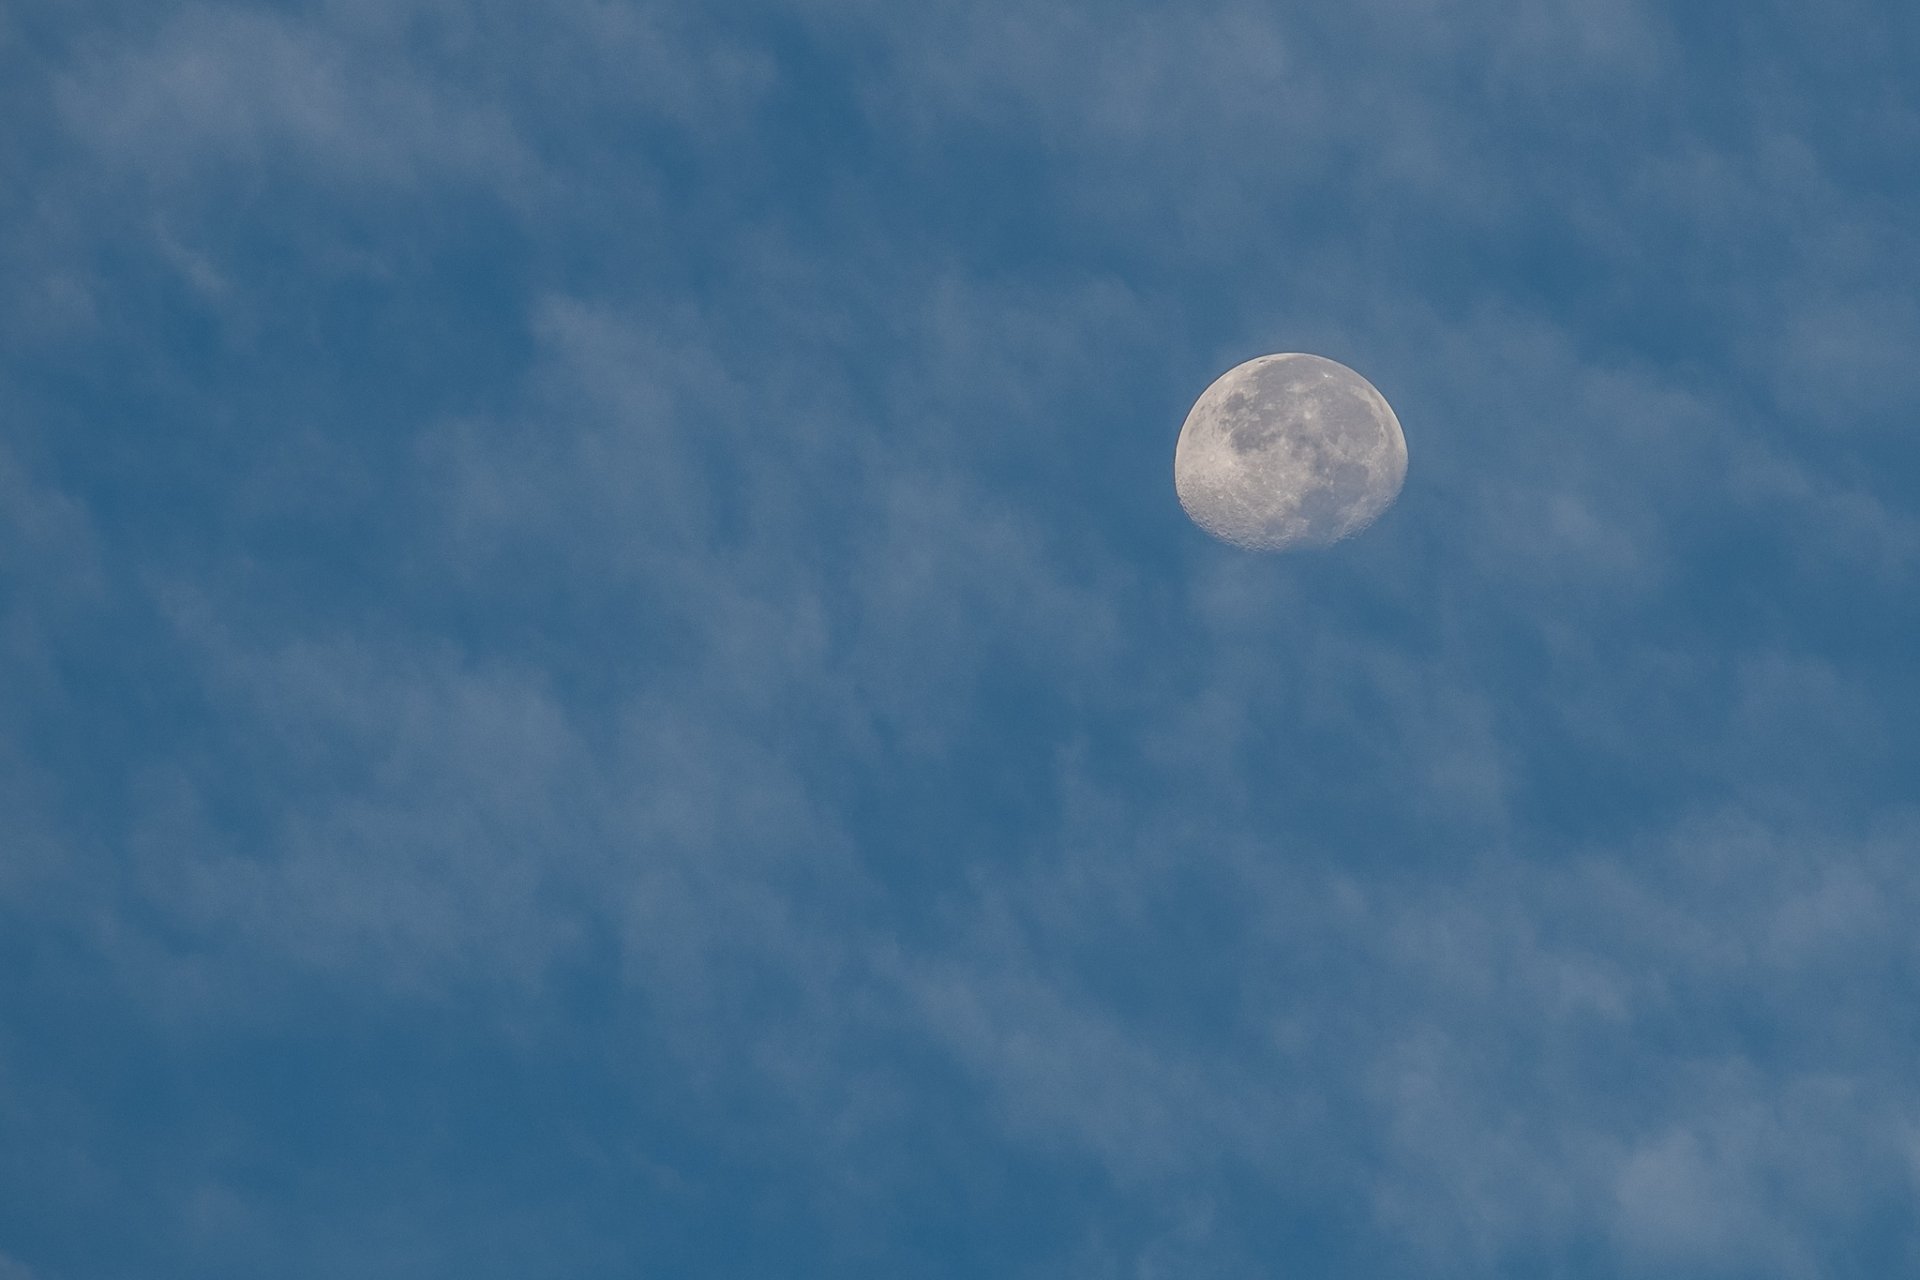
(1289,451)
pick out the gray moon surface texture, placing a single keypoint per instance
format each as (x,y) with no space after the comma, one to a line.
(1289,451)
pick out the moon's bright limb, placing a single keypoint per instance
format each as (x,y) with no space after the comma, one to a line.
(1289,450)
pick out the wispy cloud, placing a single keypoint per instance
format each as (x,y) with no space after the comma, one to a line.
(600,591)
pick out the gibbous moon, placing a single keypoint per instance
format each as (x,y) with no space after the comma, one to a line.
(1287,451)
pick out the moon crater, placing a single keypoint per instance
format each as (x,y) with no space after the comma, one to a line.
(1289,450)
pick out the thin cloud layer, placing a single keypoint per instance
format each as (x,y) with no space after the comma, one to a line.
(606,674)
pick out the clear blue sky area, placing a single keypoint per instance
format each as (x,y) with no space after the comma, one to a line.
(601,677)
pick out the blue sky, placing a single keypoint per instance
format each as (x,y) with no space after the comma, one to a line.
(602,675)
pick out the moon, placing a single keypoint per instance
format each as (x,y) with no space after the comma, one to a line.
(1288,451)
